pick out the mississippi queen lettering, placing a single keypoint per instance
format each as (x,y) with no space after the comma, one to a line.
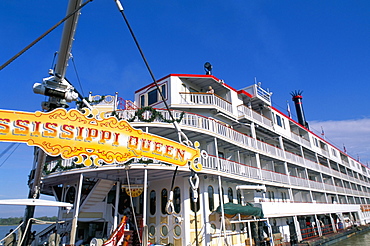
(93,140)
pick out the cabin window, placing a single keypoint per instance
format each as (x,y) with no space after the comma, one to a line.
(177,200)
(142,101)
(239,196)
(278,120)
(211,200)
(269,195)
(230,194)
(152,207)
(164,198)
(334,152)
(163,90)
(220,195)
(152,97)
(195,206)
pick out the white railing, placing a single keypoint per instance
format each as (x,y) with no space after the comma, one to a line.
(299,139)
(244,111)
(299,182)
(205,99)
(231,167)
(274,177)
(241,139)
(316,185)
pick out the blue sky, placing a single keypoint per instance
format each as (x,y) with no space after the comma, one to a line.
(319,47)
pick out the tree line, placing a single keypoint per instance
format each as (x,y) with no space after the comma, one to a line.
(16,220)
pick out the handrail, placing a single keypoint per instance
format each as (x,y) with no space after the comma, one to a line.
(204,93)
(211,125)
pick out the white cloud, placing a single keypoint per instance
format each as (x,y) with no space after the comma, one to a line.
(353,134)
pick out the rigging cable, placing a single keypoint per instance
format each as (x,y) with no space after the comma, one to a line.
(78,77)
(43,35)
(132,205)
(6,150)
(177,127)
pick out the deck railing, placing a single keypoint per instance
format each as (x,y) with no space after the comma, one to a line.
(244,111)
(239,138)
(198,98)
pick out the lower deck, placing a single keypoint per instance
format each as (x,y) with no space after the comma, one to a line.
(143,191)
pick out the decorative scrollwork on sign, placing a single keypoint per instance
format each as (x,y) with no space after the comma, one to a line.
(92,138)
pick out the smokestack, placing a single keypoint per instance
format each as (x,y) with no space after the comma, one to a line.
(297,98)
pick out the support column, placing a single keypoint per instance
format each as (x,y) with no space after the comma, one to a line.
(145,208)
(220,190)
(333,224)
(318,225)
(116,204)
(76,212)
(297,228)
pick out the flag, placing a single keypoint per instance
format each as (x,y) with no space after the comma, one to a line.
(344,149)
(288,109)
(322,132)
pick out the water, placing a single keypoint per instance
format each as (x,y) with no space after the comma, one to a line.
(357,240)
(5,229)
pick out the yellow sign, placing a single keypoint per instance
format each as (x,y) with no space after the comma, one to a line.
(92,138)
(134,192)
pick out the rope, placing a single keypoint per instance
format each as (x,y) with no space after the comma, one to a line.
(12,232)
(177,127)
(169,205)
(132,206)
(28,223)
(43,35)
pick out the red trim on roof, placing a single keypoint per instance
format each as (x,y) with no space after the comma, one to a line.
(245,93)
(187,76)
(331,145)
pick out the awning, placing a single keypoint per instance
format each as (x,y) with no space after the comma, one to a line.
(233,209)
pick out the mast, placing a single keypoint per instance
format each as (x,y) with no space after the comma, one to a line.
(59,91)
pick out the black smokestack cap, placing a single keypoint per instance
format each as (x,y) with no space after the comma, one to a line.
(297,98)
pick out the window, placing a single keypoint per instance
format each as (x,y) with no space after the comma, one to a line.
(334,152)
(239,196)
(163,90)
(142,101)
(152,207)
(278,120)
(221,195)
(230,194)
(177,200)
(152,97)
(211,201)
(164,198)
